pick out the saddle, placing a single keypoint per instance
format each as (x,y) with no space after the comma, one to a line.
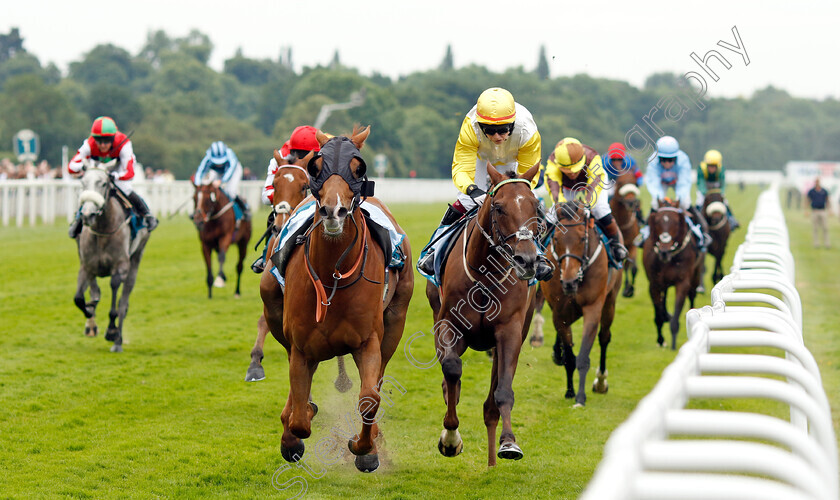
(448,238)
(378,233)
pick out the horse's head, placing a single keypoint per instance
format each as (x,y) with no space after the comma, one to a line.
(573,237)
(512,211)
(291,184)
(668,230)
(96,188)
(629,196)
(714,207)
(207,198)
(337,176)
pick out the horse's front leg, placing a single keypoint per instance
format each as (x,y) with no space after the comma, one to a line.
(114,333)
(657,297)
(369,361)
(297,425)
(537,336)
(563,354)
(255,371)
(89,309)
(591,318)
(508,345)
(450,345)
(207,252)
(682,290)
(221,278)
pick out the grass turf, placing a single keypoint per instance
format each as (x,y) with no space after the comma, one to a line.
(172,416)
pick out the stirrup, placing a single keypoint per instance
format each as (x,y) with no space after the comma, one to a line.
(151,222)
(259,265)
(426,264)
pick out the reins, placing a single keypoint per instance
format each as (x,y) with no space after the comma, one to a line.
(674,250)
(585,262)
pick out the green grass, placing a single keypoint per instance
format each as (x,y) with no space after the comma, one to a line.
(172,416)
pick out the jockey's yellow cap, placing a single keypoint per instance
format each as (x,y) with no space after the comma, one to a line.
(713,157)
(569,155)
(496,106)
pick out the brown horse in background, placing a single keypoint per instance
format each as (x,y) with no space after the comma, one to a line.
(218,230)
(291,186)
(624,204)
(671,259)
(714,209)
(583,286)
(361,316)
(484,301)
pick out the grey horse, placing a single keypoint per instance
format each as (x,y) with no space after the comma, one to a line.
(106,249)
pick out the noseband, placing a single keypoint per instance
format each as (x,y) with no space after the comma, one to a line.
(666,254)
(496,238)
(211,215)
(585,263)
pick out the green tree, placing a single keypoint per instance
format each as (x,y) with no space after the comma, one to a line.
(448,63)
(117,102)
(542,65)
(11,45)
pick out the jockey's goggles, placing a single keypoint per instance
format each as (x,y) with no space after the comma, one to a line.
(105,139)
(663,159)
(300,153)
(496,129)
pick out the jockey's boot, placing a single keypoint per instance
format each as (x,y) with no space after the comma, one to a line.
(259,265)
(610,228)
(426,264)
(246,211)
(698,218)
(143,210)
(75,227)
(733,222)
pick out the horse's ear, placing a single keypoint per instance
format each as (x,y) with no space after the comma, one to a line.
(531,172)
(312,166)
(360,135)
(591,222)
(279,159)
(495,176)
(321,137)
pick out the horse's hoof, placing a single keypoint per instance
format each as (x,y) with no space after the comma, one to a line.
(578,405)
(91,331)
(628,292)
(112,334)
(450,450)
(367,463)
(510,451)
(537,342)
(314,408)
(219,282)
(255,374)
(662,345)
(557,360)
(570,394)
(293,454)
(116,348)
(237,296)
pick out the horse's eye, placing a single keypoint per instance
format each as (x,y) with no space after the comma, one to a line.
(498,209)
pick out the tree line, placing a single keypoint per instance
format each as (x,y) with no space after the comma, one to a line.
(176,105)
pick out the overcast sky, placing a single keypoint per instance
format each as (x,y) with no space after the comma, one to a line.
(790,45)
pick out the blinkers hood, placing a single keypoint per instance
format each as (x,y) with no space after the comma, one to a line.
(336,156)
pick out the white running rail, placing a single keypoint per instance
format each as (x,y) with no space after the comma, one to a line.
(667,451)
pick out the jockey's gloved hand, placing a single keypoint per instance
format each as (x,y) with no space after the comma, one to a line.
(476,193)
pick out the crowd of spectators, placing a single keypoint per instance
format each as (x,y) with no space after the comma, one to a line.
(27,170)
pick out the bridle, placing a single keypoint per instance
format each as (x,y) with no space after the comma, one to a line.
(211,215)
(666,254)
(585,262)
(100,200)
(284,207)
(497,239)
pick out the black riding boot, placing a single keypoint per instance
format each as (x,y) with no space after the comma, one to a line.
(427,262)
(75,226)
(610,228)
(143,210)
(704,227)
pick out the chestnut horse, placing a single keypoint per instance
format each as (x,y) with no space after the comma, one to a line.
(217,230)
(584,285)
(359,315)
(671,259)
(485,301)
(623,205)
(714,209)
(291,186)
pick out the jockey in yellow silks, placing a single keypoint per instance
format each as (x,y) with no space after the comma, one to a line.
(575,172)
(502,132)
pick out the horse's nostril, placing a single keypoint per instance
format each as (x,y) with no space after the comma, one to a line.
(324,211)
(342,212)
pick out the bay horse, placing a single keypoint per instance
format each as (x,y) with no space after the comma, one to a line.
(365,311)
(106,249)
(671,259)
(624,204)
(291,186)
(583,286)
(485,302)
(714,208)
(217,230)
